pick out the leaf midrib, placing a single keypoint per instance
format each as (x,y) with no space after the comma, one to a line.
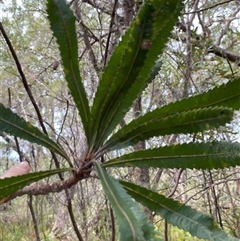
(118,204)
(176,213)
(157,129)
(71,66)
(33,135)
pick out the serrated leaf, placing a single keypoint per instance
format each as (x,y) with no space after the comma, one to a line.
(10,185)
(133,65)
(212,155)
(132,223)
(181,215)
(62,22)
(226,95)
(14,125)
(192,121)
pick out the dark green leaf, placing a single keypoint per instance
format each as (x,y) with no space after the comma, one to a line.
(196,223)
(133,65)
(132,223)
(150,125)
(226,95)
(14,125)
(10,185)
(62,23)
(212,155)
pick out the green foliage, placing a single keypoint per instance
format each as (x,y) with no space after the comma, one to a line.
(178,214)
(192,121)
(10,185)
(62,23)
(193,156)
(132,223)
(15,125)
(131,68)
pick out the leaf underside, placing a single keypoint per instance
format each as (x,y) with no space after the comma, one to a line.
(132,224)
(181,215)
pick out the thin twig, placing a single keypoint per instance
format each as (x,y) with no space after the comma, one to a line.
(35,225)
(218,213)
(112,225)
(30,95)
(110,32)
(70,211)
(213,6)
(23,78)
(176,184)
(85,36)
